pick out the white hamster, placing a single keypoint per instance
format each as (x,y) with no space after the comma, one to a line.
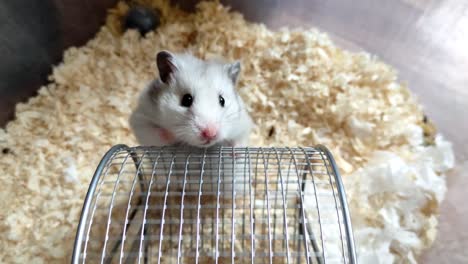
(193,102)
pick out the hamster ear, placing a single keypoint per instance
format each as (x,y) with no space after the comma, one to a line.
(154,89)
(233,71)
(166,66)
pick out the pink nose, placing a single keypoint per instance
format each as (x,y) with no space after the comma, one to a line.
(209,133)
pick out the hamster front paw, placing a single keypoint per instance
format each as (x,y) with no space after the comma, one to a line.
(167,137)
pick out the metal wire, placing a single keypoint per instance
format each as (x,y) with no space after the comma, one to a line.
(218,205)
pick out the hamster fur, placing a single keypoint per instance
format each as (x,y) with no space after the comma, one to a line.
(215,115)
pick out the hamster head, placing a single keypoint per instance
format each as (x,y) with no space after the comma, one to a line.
(196,100)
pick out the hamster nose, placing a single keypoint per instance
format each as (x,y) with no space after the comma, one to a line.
(209,133)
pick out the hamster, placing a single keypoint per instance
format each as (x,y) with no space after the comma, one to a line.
(193,102)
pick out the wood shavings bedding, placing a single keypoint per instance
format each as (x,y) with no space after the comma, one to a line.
(296,83)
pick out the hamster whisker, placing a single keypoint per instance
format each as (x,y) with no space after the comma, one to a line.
(232,114)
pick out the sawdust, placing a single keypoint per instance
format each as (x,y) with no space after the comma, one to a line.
(296,83)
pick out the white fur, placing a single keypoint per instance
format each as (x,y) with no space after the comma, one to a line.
(159,106)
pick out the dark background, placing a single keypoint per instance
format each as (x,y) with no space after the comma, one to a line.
(33,35)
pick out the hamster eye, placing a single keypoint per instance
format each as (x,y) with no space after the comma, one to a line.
(221,101)
(187,100)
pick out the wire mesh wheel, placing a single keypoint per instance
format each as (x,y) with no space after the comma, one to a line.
(219,205)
